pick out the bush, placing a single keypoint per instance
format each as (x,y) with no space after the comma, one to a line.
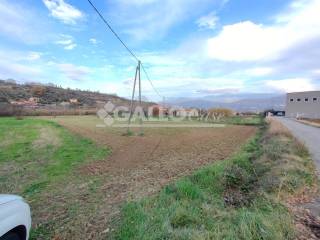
(235,177)
(218,113)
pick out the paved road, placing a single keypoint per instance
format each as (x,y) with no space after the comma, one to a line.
(307,134)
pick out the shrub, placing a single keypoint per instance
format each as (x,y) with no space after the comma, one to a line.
(235,177)
(218,113)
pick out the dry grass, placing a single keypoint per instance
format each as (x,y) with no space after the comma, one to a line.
(290,175)
(277,129)
(311,122)
(47,137)
(290,167)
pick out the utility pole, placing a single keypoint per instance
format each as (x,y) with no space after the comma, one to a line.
(132,98)
(140,101)
(137,75)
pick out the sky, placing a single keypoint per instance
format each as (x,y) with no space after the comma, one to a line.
(190,48)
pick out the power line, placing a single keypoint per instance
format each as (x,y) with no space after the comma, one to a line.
(147,75)
(127,48)
(111,29)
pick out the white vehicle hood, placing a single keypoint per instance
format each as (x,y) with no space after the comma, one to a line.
(5,198)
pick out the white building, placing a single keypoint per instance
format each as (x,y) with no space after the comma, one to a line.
(303,105)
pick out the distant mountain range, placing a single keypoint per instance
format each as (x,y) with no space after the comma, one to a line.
(238,102)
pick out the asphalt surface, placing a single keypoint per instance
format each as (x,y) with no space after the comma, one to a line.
(309,135)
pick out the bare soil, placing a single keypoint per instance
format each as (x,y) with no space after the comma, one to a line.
(139,166)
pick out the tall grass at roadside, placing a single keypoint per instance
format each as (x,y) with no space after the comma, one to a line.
(289,167)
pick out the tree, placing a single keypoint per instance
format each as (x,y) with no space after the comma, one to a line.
(218,113)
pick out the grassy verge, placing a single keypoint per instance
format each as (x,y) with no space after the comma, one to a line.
(250,121)
(240,198)
(38,160)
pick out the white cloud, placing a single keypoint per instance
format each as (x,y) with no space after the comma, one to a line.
(316,72)
(63,11)
(218,90)
(137,2)
(156,17)
(66,41)
(291,85)
(21,22)
(208,22)
(93,41)
(73,72)
(70,46)
(51,63)
(19,65)
(14,69)
(248,41)
(259,71)
(34,56)
(113,88)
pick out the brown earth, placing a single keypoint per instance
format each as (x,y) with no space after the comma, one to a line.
(139,166)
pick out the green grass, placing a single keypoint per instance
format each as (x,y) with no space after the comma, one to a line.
(46,163)
(250,121)
(39,160)
(227,200)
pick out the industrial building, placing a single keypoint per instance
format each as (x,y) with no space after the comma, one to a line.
(303,105)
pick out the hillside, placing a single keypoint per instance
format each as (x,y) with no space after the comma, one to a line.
(11,92)
(39,99)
